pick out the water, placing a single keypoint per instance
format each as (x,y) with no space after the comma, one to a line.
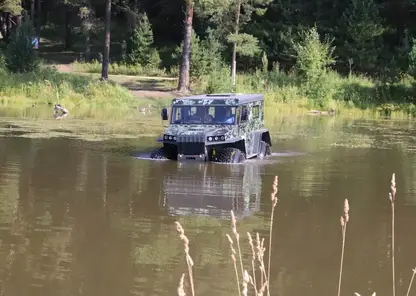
(93,218)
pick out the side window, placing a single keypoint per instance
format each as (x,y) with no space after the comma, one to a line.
(244,113)
(238,112)
(256,111)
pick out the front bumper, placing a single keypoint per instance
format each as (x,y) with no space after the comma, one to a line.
(200,157)
(191,147)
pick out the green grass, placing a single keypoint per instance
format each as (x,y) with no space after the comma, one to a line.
(352,94)
(47,86)
(119,69)
(287,91)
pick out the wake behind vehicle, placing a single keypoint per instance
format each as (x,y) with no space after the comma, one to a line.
(215,127)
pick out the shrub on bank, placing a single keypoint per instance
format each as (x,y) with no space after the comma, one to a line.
(47,86)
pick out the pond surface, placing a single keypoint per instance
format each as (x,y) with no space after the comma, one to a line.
(87,218)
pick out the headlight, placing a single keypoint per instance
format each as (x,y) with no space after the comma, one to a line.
(169,138)
(216,138)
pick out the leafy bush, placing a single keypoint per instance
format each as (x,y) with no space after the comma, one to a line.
(312,59)
(20,56)
(218,81)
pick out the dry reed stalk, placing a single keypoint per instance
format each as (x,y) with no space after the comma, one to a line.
(253,259)
(246,280)
(189,260)
(274,202)
(344,221)
(181,290)
(237,238)
(411,282)
(261,291)
(260,257)
(258,254)
(392,197)
(233,252)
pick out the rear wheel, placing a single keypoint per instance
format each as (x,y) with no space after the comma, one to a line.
(230,155)
(264,150)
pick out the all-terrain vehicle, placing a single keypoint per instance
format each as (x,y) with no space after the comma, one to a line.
(215,127)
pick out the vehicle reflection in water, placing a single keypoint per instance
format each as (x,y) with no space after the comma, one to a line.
(213,190)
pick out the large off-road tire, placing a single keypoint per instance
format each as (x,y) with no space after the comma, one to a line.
(264,150)
(159,154)
(230,155)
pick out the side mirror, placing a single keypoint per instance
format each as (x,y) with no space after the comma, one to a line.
(164,114)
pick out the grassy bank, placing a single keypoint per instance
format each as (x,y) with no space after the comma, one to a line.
(288,90)
(47,86)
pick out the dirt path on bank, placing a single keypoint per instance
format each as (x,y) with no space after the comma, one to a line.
(139,86)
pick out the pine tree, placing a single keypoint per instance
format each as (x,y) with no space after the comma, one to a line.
(20,56)
(361,27)
(139,49)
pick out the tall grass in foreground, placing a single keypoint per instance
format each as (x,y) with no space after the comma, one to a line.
(244,278)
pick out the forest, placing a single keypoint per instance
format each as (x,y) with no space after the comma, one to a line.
(326,53)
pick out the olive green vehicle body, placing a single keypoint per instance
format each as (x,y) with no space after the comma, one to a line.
(203,140)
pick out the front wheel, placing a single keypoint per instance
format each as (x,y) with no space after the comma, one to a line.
(159,154)
(230,155)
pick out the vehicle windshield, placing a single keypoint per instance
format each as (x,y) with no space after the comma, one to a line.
(204,115)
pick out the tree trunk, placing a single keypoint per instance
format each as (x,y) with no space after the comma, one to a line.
(32,11)
(106,54)
(184,71)
(88,47)
(234,57)
(8,26)
(38,18)
(68,29)
(3,30)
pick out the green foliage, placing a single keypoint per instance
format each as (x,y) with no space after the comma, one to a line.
(89,22)
(312,60)
(205,54)
(312,56)
(119,68)
(20,55)
(13,6)
(412,59)
(361,28)
(217,81)
(46,85)
(2,61)
(247,45)
(139,49)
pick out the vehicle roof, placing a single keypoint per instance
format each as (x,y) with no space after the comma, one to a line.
(213,99)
